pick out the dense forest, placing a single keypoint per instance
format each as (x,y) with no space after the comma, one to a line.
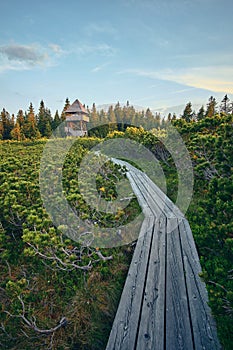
(32,125)
(59,294)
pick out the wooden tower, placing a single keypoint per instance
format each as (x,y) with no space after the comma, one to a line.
(76,119)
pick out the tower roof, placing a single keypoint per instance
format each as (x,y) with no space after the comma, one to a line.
(76,107)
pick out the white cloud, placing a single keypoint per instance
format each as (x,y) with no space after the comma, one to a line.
(20,57)
(24,57)
(212,78)
(22,53)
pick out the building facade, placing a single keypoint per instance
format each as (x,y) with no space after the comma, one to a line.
(76,119)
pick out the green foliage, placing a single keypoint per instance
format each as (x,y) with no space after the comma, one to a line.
(210,142)
(45,275)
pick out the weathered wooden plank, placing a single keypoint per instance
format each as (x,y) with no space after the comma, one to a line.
(177,324)
(124,330)
(204,329)
(142,189)
(163,304)
(146,208)
(164,203)
(146,192)
(173,208)
(159,202)
(151,328)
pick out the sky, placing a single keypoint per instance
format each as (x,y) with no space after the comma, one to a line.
(156,54)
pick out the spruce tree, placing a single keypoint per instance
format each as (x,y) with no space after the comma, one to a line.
(67,105)
(112,121)
(225,105)
(30,129)
(16,132)
(188,114)
(211,107)
(174,117)
(94,118)
(47,129)
(56,121)
(7,124)
(43,119)
(201,114)
(119,115)
(1,130)
(20,118)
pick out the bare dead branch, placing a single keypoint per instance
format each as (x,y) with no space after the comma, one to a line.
(31,323)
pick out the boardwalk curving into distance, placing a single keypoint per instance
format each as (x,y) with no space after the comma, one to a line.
(164,302)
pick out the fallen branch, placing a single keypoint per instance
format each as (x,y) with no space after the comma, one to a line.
(32,323)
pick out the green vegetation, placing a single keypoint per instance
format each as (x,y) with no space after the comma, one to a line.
(47,278)
(210,215)
(59,294)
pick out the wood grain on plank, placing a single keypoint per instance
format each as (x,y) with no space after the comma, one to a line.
(124,330)
(151,326)
(164,304)
(204,329)
(178,326)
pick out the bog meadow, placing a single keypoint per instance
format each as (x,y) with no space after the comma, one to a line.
(58,293)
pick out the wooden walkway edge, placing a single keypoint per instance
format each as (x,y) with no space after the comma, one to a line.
(164,303)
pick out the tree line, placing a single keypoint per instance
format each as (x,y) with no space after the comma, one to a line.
(31,125)
(226,106)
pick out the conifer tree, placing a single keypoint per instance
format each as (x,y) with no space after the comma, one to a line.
(149,120)
(30,129)
(67,105)
(47,129)
(94,118)
(7,124)
(188,113)
(119,115)
(157,121)
(1,130)
(211,107)
(201,114)
(20,118)
(225,105)
(56,121)
(16,133)
(112,121)
(174,117)
(44,120)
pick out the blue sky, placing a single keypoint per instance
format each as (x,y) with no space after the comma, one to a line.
(153,53)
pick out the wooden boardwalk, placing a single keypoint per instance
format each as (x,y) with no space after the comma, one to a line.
(164,302)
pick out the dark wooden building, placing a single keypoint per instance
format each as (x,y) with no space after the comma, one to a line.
(76,119)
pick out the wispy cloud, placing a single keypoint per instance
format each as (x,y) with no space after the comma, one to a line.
(21,57)
(183,90)
(214,78)
(99,67)
(56,49)
(93,29)
(100,49)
